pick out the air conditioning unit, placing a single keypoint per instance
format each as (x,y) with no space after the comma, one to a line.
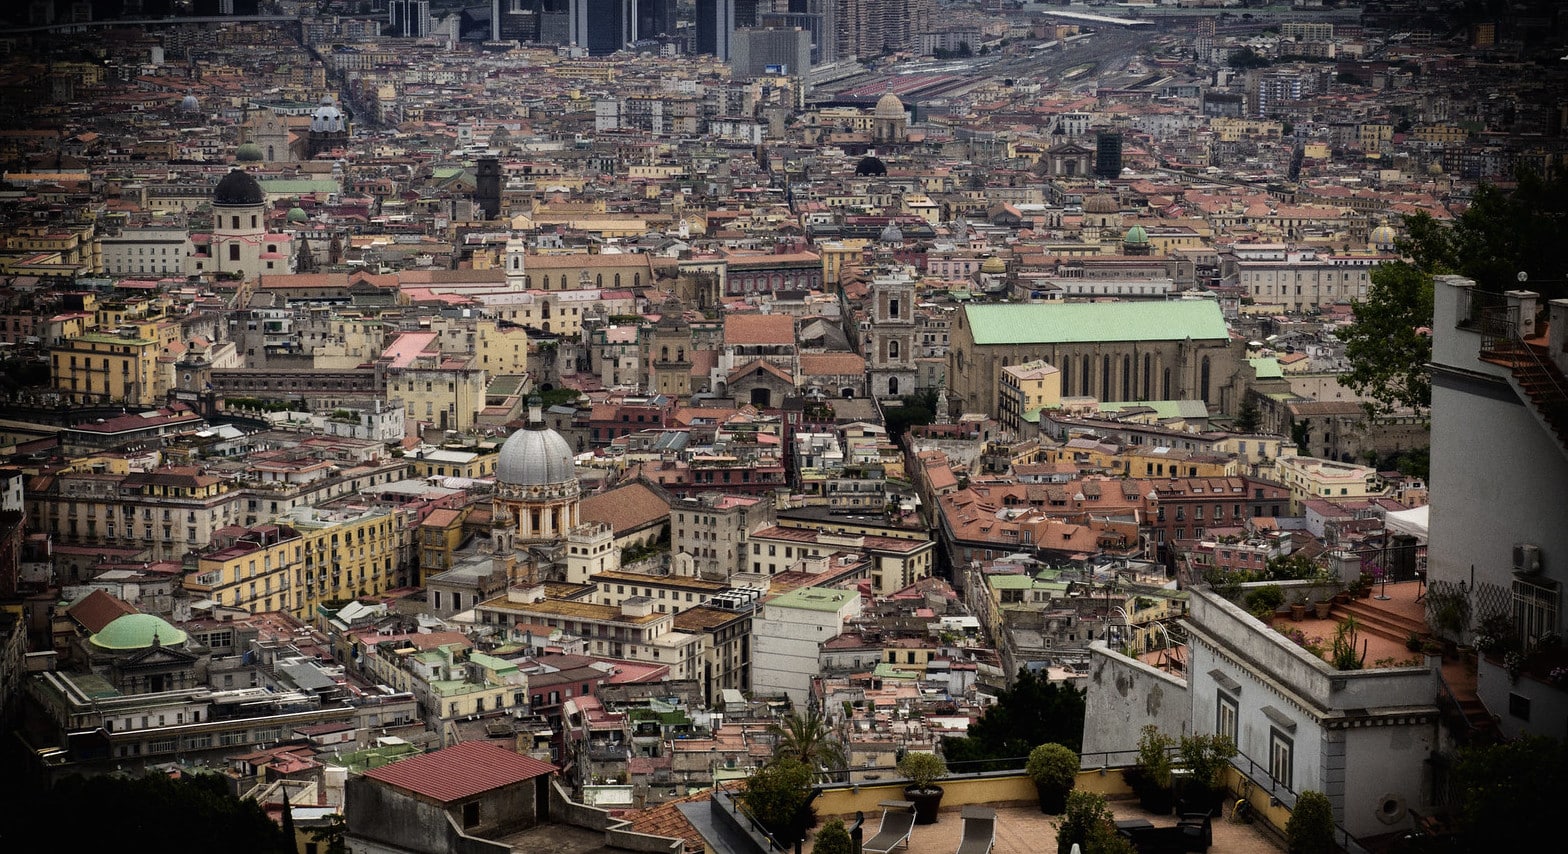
(1527,558)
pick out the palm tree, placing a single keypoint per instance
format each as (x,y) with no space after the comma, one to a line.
(809,740)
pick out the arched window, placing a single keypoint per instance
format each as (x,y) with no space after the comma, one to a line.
(1126,378)
(1088,376)
(892,350)
(636,280)
(598,280)
(617,280)
(563,281)
(1067,376)
(1203,380)
(1146,380)
(1105,377)
(664,354)
(1166,394)
(892,385)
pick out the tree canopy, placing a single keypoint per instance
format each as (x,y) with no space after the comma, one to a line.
(778,796)
(1505,789)
(192,812)
(809,740)
(1390,343)
(1031,712)
(1501,234)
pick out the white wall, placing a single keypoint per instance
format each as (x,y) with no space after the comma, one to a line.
(1124,695)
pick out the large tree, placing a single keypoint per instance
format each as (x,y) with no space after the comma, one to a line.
(1501,234)
(809,740)
(1034,711)
(1390,343)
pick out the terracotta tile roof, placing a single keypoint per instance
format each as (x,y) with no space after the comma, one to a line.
(460,771)
(626,508)
(831,364)
(667,820)
(98,609)
(759,329)
(759,365)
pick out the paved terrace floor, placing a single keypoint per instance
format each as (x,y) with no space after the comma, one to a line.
(1023,829)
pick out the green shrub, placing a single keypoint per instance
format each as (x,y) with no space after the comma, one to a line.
(1310,829)
(1053,766)
(1264,601)
(833,838)
(1088,822)
(778,796)
(922,769)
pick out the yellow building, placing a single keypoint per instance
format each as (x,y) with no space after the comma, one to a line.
(461,462)
(1235,130)
(122,367)
(1374,135)
(1327,480)
(838,254)
(439,391)
(1025,389)
(502,350)
(307,558)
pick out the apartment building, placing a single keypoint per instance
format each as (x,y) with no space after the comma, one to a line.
(1298,280)
(633,630)
(710,531)
(309,557)
(111,367)
(787,636)
(896,563)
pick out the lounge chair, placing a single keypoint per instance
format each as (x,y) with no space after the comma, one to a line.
(898,820)
(979,830)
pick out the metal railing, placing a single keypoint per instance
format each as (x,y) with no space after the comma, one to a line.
(1501,341)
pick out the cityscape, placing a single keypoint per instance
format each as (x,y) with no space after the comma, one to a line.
(749,426)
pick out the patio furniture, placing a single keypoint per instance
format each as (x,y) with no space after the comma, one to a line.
(898,820)
(1193,832)
(979,830)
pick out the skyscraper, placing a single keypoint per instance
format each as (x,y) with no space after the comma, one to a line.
(1108,154)
(602,26)
(715,25)
(408,19)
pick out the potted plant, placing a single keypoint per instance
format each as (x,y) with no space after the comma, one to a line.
(1263,601)
(1310,829)
(1321,607)
(1054,770)
(1150,776)
(1298,610)
(923,770)
(1204,758)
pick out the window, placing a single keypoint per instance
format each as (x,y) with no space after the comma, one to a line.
(1225,716)
(1535,608)
(470,814)
(1281,748)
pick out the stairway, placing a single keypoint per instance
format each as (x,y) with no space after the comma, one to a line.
(1535,377)
(1380,622)
(1546,387)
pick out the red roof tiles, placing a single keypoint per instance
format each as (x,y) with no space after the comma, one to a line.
(461,771)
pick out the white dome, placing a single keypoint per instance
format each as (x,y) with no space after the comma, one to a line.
(535,457)
(327,118)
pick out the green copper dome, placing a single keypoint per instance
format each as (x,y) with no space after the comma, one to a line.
(248,152)
(1136,236)
(297,214)
(137,631)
